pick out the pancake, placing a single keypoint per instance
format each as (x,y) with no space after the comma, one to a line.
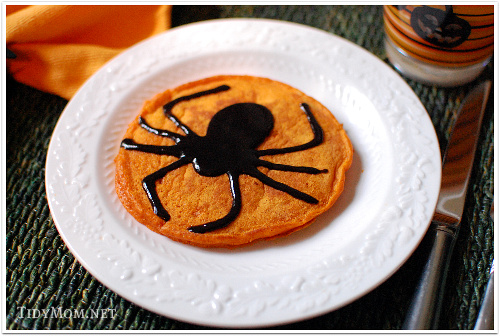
(211,163)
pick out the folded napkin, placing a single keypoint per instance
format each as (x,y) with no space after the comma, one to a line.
(58,47)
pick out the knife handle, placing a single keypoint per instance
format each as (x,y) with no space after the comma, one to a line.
(424,310)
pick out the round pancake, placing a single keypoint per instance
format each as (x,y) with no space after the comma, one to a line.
(192,199)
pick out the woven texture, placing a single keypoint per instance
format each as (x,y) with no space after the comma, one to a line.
(42,274)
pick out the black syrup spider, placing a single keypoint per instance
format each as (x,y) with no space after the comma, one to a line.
(227,148)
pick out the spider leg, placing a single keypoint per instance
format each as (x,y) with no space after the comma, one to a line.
(149,185)
(231,215)
(167,108)
(281,186)
(298,169)
(164,133)
(130,144)
(179,123)
(315,127)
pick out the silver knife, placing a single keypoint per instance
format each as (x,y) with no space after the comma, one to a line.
(457,166)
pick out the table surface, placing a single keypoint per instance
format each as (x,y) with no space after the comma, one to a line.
(41,272)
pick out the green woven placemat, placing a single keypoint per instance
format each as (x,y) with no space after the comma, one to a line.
(42,274)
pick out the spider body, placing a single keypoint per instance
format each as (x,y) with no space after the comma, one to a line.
(229,147)
(231,135)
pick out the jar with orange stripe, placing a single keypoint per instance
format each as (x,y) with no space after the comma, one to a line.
(446,45)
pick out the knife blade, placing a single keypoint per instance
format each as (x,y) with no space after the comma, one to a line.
(458,161)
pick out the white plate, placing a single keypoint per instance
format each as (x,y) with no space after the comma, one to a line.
(384,211)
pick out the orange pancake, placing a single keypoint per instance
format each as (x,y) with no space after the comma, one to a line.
(235,181)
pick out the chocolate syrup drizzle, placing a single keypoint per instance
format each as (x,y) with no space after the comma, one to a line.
(229,147)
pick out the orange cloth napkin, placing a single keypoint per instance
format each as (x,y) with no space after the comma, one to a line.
(59,47)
